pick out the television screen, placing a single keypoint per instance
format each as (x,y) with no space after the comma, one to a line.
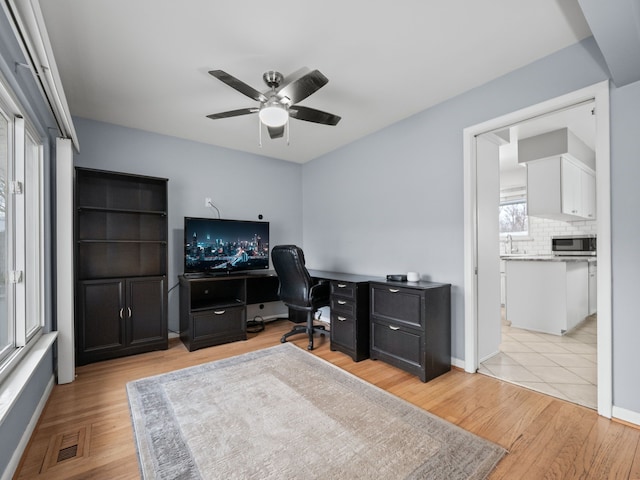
(213,245)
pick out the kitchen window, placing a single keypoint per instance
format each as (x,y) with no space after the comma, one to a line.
(512,212)
(513,218)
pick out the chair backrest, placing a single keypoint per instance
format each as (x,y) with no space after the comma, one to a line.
(295,281)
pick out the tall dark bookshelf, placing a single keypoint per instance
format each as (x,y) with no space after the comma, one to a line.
(121,264)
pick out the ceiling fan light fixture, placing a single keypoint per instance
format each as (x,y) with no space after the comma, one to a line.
(273,115)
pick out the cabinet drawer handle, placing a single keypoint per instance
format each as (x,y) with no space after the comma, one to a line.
(342,319)
(394,290)
(129,310)
(219,312)
(341,302)
(342,285)
(121,312)
(394,328)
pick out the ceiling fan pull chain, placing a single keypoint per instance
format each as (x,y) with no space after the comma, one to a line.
(287,128)
(259,133)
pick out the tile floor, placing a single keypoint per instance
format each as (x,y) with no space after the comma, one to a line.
(561,366)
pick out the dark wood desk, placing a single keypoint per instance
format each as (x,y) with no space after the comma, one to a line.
(406,324)
(213,308)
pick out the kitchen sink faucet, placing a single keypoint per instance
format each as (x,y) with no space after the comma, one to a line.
(509,245)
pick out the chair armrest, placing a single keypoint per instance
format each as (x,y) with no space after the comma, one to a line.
(320,292)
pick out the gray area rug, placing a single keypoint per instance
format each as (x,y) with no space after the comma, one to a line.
(282,413)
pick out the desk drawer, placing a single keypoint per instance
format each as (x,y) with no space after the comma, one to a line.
(343,305)
(218,322)
(343,289)
(401,305)
(398,345)
(343,330)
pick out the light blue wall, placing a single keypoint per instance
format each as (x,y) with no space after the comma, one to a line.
(14,426)
(625,232)
(241,185)
(393,201)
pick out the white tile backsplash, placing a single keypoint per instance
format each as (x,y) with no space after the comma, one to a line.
(538,242)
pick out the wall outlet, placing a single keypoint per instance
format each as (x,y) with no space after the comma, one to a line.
(207,202)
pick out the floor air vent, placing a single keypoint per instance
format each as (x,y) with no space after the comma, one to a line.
(67,453)
(66,446)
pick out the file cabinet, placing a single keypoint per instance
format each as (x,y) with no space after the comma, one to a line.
(411,326)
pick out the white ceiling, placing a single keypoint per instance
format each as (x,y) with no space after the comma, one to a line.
(144,63)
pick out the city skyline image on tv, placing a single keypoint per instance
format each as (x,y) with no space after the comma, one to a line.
(222,246)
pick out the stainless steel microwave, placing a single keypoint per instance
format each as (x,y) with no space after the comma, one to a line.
(574,245)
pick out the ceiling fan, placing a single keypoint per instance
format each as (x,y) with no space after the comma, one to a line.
(279,104)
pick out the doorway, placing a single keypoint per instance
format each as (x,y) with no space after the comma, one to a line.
(482,274)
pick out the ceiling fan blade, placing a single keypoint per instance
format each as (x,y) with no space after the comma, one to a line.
(301,88)
(295,75)
(233,113)
(239,85)
(276,132)
(312,115)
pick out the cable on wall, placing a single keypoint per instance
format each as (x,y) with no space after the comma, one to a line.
(214,207)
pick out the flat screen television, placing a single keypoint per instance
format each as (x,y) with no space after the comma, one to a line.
(220,246)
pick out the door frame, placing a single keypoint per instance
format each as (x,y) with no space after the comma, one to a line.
(598,92)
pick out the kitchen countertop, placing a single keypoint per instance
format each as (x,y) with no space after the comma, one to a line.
(549,258)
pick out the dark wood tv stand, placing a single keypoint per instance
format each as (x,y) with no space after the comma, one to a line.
(213,308)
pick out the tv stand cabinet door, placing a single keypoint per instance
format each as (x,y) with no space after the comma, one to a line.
(217,326)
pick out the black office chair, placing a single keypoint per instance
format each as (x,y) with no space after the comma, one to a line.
(298,290)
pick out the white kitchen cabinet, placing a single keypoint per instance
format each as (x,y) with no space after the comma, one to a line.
(588,183)
(550,296)
(570,188)
(593,288)
(560,188)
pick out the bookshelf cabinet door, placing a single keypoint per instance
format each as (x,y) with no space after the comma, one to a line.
(101,322)
(146,310)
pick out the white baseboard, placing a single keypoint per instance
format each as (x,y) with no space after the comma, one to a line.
(625,415)
(456,362)
(487,357)
(26,436)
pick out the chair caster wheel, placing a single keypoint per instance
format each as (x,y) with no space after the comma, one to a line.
(310,347)
(283,340)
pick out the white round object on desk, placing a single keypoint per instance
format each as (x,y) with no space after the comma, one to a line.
(413,277)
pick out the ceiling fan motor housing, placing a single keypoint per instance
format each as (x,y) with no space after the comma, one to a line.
(272,78)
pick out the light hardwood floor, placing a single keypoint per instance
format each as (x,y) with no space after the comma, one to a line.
(545,437)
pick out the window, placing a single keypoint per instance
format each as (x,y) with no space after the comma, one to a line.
(21,232)
(6,327)
(513,218)
(512,213)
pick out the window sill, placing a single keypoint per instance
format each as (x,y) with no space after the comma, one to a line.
(18,378)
